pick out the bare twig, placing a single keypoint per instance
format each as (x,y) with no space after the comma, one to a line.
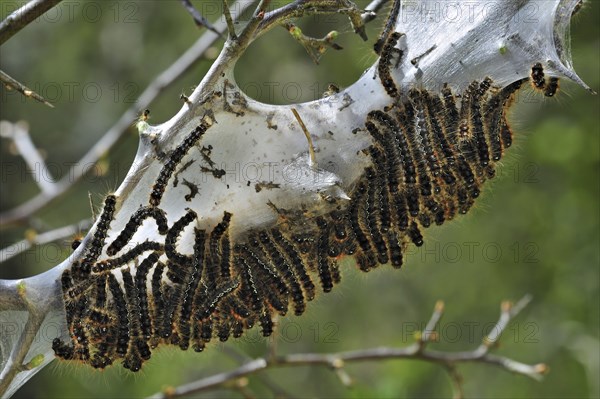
(18,297)
(429,334)
(12,84)
(199,20)
(19,134)
(242,358)
(372,9)
(44,238)
(112,136)
(229,20)
(311,148)
(215,380)
(251,28)
(416,351)
(299,8)
(23,17)
(315,47)
(457,381)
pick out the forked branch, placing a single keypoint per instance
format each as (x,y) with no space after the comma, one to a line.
(118,130)
(260,22)
(417,351)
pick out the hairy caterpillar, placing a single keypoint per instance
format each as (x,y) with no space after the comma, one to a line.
(539,82)
(429,155)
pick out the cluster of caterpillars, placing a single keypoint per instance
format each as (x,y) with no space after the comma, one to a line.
(430,155)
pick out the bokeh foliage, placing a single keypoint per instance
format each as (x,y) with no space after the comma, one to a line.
(535,229)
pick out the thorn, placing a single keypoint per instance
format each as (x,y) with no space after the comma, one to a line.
(311,148)
(91,205)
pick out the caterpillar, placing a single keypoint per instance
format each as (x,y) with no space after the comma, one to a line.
(430,154)
(83,268)
(548,86)
(175,158)
(134,223)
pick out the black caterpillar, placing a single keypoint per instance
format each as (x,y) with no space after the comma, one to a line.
(430,156)
(539,82)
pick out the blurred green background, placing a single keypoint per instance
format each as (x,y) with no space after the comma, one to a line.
(535,230)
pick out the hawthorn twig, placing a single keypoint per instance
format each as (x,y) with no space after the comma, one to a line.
(12,84)
(199,19)
(19,134)
(23,17)
(416,351)
(14,295)
(253,25)
(242,358)
(229,20)
(44,238)
(299,8)
(315,47)
(371,10)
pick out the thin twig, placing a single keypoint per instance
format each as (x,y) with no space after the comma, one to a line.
(215,380)
(429,334)
(299,8)
(457,381)
(44,238)
(37,312)
(19,134)
(23,17)
(13,84)
(358,18)
(242,358)
(199,19)
(229,20)
(372,9)
(112,136)
(336,361)
(250,29)
(311,148)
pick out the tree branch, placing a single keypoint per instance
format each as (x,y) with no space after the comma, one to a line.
(19,134)
(13,84)
(112,136)
(300,7)
(44,238)
(416,351)
(23,17)
(260,23)
(199,19)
